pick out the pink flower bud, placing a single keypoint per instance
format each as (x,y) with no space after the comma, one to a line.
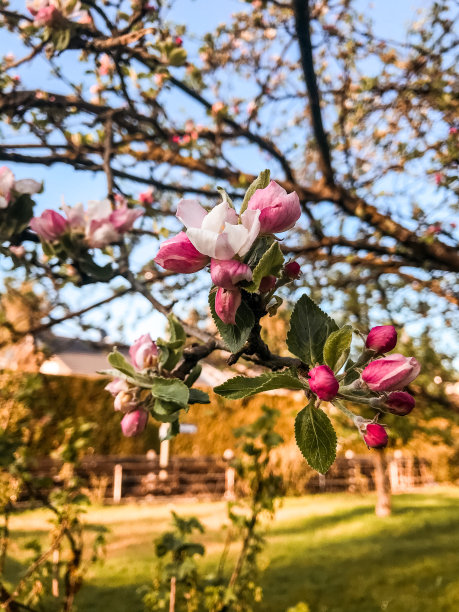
(267,283)
(123,218)
(146,197)
(391,373)
(227,273)
(133,423)
(292,269)
(323,383)
(382,338)
(400,403)
(47,16)
(116,385)
(125,401)
(177,254)
(178,41)
(50,225)
(227,301)
(279,210)
(143,352)
(375,436)
(19,251)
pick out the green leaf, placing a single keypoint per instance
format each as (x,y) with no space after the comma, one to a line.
(235,336)
(99,273)
(259,248)
(337,347)
(170,390)
(177,56)
(117,360)
(198,397)
(309,330)
(315,437)
(166,412)
(270,263)
(171,350)
(241,386)
(225,196)
(193,375)
(260,182)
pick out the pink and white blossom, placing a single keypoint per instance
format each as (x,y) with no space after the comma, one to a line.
(125,401)
(146,197)
(123,218)
(227,301)
(50,225)
(391,373)
(229,272)
(177,254)
(8,185)
(143,352)
(218,233)
(279,210)
(116,385)
(134,423)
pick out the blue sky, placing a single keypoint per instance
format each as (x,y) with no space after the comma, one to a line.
(390,20)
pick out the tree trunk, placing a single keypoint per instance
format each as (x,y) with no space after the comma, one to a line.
(382,484)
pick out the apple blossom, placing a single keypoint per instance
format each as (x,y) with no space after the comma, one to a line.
(323,383)
(228,273)
(218,233)
(381,338)
(133,423)
(50,225)
(292,269)
(125,401)
(400,403)
(227,301)
(146,197)
(375,436)
(279,210)
(123,218)
(267,283)
(390,373)
(116,385)
(177,254)
(8,185)
(143,352)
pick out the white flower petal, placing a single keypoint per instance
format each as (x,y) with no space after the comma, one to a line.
(205,241)
(27,186)
(99,209)
(251,221)
(190,213)
(3,202)
(223,249)
(237,235)
(215,220)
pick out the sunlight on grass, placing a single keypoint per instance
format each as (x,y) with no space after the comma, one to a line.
(327,550)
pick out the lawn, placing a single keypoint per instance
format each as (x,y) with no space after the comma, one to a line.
(329,551)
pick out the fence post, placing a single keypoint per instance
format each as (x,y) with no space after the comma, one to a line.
(117,483)
(55,580)
(230,476)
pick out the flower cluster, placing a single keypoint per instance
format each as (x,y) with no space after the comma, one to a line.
(143,354)
(10,189)
(54,13)
(222,238)
(99,224)
(384,379)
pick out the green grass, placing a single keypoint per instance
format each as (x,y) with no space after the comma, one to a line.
(329,551)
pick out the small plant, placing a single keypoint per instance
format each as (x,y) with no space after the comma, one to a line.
(179,583)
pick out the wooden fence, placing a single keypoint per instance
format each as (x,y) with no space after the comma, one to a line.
(141,477)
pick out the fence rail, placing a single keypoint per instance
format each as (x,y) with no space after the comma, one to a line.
(138,476)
